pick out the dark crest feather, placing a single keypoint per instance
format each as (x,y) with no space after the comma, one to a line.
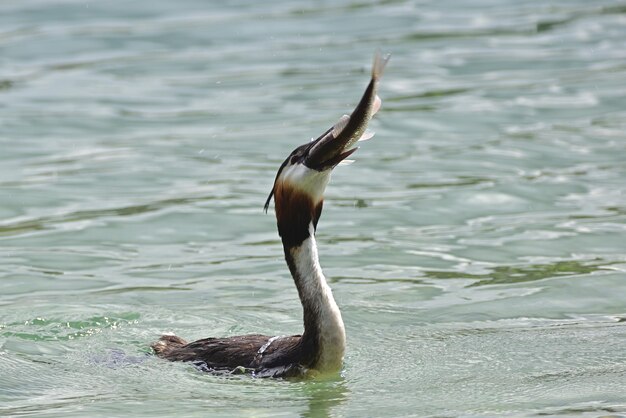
(269,198)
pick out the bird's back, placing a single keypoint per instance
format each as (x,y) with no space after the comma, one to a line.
(257,354)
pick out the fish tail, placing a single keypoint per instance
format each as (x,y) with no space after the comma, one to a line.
(379,64)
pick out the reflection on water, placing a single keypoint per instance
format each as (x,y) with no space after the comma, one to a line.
(324,396)
(22,227)
(476,247)
(529,273)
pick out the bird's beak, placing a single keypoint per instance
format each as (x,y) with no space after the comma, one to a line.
(327,151)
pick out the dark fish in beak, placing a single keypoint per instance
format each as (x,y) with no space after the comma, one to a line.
(335,144)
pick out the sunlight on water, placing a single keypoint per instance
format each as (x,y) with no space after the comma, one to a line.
(476,247)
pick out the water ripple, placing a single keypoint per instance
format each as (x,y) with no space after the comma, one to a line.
(476,247)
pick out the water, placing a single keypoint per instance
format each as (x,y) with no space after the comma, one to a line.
(476,247)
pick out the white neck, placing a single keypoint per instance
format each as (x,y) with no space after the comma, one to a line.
(322,318)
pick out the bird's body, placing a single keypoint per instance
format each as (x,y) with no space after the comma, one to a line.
(298,194)
(258,354)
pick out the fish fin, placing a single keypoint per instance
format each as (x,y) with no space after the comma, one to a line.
(340,125)
(379,64)
(377,104)
(367,135)
(346,162)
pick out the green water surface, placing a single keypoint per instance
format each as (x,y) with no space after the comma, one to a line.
(477,247)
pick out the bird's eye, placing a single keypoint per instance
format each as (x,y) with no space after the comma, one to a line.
(294,159)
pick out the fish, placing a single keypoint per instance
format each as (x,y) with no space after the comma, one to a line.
(334,145)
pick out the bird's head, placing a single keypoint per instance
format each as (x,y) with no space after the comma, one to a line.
(302,178)
(300,183)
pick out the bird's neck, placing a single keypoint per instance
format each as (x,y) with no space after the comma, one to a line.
(324,337)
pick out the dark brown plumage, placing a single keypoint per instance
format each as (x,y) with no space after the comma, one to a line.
(283,357)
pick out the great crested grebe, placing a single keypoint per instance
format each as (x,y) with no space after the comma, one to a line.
(298,194)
